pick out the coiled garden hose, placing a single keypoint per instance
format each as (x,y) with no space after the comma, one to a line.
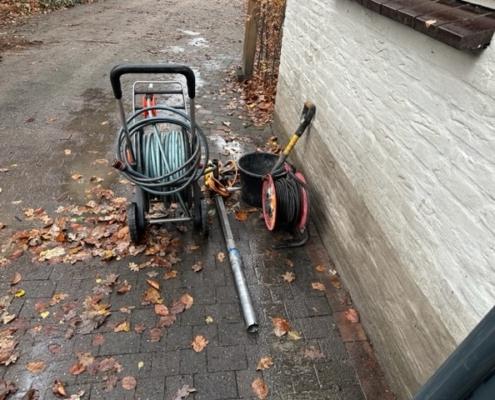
(166,162)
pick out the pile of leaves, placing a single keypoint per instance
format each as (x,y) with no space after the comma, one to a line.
(79,233)
(12,10)
(259,92)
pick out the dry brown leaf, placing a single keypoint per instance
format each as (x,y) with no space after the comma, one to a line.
(318,286)
(280,326)
(124,287)
(129,382)
(294,335)
(187,300)
(184,392)
(199,343)
(15,279)
(98,340)
(241,215)
(221,256)
(260,389)
(289,263)
(352,315)
(264,363)
(335,281)
(153,283)
(162,310)
(320,268)
(152,296)
(36,367)
(76,177)
(289,277)
(133,267)
(155,334)
(67,152)
(123,326)
(170,274)
(58,388)
(313,353)
(167,321)
(197,267)
(139,328)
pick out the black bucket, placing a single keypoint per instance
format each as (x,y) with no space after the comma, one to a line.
(253,167)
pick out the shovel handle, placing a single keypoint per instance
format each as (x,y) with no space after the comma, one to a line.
(307,116)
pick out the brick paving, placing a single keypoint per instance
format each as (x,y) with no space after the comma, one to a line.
(227,366)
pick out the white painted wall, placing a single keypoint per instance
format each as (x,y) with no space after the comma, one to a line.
(411,122)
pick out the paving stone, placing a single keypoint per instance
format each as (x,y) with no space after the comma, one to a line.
(120,343)
(150,389)
(226,294)
(336,374)
(179,337)
(234,334)
(37,289)
(226,358)
(118,393)
(244,380)
(317,327)
(229,312)
(215,386)
(210,332)
(164,363)
(192,362)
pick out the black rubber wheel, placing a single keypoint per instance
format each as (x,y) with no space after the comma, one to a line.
(136,231)
(143,205)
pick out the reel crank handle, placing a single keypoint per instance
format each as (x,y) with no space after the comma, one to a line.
(307,116)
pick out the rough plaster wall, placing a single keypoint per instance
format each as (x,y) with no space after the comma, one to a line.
(402,164)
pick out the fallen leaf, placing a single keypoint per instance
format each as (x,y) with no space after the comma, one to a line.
(199,343)
(67,152)
(152,296)
(170,274)
(123,326)
(8,353)
(20,293)
(187,300)
(320,268)
(98,340)
(197,267)
(31,394)
(318,286)
(153,283)
(167,321)
(58,388)
(289,277)
(155,334)
(184,392)
(312,353)
(351,315)
(289,263)
(161,309)
(335,281)
(6,389)
(44,314)
(76,177)
(54,348)
(209,319)
(124,287)
(260,389)
(6,318)
(221,256)
(294,335)
(133,267)
(264,363)
(280,326)
(241,215)
(139,328)
(52,253)
(140,364)
(129,382)
(15,279)
(36,367)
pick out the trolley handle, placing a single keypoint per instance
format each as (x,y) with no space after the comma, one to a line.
(123,69)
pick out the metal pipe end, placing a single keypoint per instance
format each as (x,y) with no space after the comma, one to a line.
(253,328)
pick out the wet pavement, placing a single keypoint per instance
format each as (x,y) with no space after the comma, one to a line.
(61,100)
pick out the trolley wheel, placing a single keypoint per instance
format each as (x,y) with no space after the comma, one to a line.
(142,200)
(136,230)
(269,202)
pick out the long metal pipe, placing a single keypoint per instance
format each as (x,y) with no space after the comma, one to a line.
(237,268)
